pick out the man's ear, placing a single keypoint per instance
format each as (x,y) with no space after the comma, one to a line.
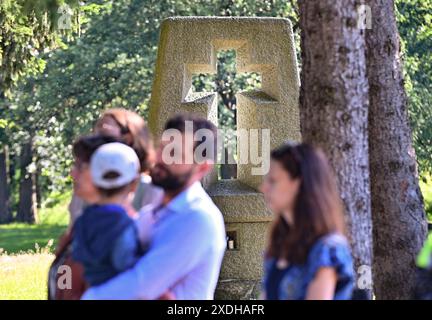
(205,167)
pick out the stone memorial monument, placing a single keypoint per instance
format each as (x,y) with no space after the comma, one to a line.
(188,46)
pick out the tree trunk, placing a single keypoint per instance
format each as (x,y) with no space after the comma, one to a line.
(4,187)
(334,109)
(399,220)
(38,184)
(27,208)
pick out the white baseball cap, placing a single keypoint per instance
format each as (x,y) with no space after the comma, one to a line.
(115,158)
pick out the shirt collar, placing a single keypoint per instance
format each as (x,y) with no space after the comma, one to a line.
(181,201)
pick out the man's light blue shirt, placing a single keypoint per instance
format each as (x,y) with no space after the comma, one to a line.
(188,241)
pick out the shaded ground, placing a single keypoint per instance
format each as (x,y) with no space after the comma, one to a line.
(23,237)
(18,237)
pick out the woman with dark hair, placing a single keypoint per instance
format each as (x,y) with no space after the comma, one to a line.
(65,276)
(308,256)
(114,125)
(130,128)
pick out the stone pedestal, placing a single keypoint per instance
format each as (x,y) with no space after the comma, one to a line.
(246,221)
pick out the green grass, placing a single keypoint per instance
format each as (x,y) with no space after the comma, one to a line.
(56,212)
(26,252)
(17,237)
(24,276)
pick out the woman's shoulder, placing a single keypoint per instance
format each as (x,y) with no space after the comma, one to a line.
(333,250)
(333,239)
(329,249)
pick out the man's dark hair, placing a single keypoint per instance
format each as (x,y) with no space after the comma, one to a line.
(179,122)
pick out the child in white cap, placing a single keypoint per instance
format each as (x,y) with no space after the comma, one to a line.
(105,238)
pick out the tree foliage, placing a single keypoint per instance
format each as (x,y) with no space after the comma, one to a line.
(415,27)
(107,60)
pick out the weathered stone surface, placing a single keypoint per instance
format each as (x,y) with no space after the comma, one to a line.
(246,261)
(238,290)
(189,45)
(239,202)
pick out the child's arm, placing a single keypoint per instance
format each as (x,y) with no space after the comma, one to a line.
(126,249)
(122,260)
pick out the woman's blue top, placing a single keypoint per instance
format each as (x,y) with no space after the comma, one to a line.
(292,282)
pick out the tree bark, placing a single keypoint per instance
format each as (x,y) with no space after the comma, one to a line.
(38,184)
(5,216)
(27,207)
(399,220)
(334,110)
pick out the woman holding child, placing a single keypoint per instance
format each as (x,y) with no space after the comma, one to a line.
(129,127)
(115,125)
